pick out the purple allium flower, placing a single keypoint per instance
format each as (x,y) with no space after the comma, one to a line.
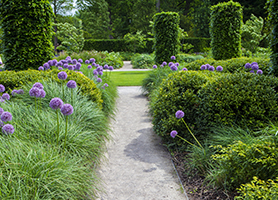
(247,66)
(99,80)
(74,61)
(177,64)
(154,66)
(20,91)
(2,100)
(179,114)
(66,65)
(105,66)
(252,71)
(38,85)
(173,58)
(110,68)
(95,72)
(211,68)
(95,76)
(1,123)
(60,68)
(71,84)
(105,85)
(68,58)
(6,116)
(164,63)
(6,96)
(80,60)
(2,88)
(79,72)
(87,62)
(203,67)
(56,103)
(69,61)
(14,92)
(62,75)
(97,65)
(99,69)
(8,129)
(161,65)
(42,93)
(59,64)
(54,62)
(92,60)
(254,66)
(89,66)
(70,67)
(1,63)
(41,68)
(50,63)
(94,64)
(46,66)
(1,111)
(34,92)
(184,69)
(100,73)
(67,109)
(170,63)
(219,68)
(259,71)
(173,134)
(78,65)
(174,68)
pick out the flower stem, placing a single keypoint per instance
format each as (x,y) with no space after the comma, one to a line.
(72,96)
(186,141)
(192,133)
(66,132)
(57,127)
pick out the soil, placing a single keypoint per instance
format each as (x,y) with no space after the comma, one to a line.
(194,184)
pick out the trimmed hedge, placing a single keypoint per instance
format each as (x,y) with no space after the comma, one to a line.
(232,65)
(12,80)
(226,22)
(274,35)
(166,34)
(27,33)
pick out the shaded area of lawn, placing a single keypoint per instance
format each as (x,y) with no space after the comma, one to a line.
(128,78)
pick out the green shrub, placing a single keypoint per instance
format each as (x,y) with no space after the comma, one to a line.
(245,99)
(240,162)
(105,45)
(188,58)
(178,92)
(12,80)
(166,34)
(226,22)
(27,33)
(142,61)
(231,65)
(259,190)
(126,55)
(199,44)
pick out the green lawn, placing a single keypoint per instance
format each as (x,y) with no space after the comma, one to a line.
(128,78)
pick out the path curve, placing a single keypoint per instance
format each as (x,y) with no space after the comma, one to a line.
(137,166)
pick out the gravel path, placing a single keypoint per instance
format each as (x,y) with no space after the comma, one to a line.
(137,166)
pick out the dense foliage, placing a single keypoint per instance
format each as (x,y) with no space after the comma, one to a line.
(166,30)
(27,33)
(226,22)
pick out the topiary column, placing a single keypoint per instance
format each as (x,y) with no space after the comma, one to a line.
(226,22)
(166,31)
(27,33)
(273,16)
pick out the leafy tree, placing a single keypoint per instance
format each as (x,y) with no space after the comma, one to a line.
(71,37)
(252,33)
(27,33)
(135,41)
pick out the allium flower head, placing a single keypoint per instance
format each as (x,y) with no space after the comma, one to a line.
(179,114)
(77,66)
(46,66)
(20,91)
(154,66)
(6,96)
(80,60)
(56,103)
(105,66)
(34,92)
(100,73)
(97,65)
(203,67)
(2,88)
(177,64)
(92,60)
(252,71)
(1,111)
(94,64)
(110,68)
(99,80)
(89,66)
(1,63)
(38,85)
(14,92)
(219,68)
(255,66)
(105,85)
(99,69)
(173,58)
(69,61)
(87,62)
(247,66)
(41,68)
(173,134)
(170,63)
(8,129)
(67,109)
(95,72)
(74,61)
(259,71)
(66,65)
(164,63)
(62,75)
(71,84)
(70,67)
(174,68)
(6,116)
(161,65)
(60,68)
(42,93)
(184,69)
(59,64)
(211,68)
(68,58)
(54,62)
(50,63)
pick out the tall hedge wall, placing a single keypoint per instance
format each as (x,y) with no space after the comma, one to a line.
(27,33)
(273,14)
(166,31)
(226,22)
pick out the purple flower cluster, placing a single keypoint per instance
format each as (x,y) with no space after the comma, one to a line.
(2,88)
(211,68)
(56,103)
(6,96)
(71,84)
(36,91)
(62,75)
(5,117)
(173,133)
(254,68)
(154,66)
(173,58)
(179,114)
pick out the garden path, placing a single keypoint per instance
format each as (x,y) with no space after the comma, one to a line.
(137,165)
